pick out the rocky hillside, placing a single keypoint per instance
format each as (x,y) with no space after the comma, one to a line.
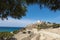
(43,34)
(42,25)
(47,31)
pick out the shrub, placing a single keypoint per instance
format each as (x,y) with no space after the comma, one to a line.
(29,32)
(24,32)
(16,31)
(6,35)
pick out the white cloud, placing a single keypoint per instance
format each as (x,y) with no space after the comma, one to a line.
(14,22)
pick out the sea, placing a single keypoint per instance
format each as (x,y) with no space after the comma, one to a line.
(9,29)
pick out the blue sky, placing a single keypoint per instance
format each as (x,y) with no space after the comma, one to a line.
(33,14)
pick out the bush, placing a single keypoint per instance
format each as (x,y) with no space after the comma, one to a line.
(16,31)
(29,32)
(24,32)
(6,35)
(42,26)
(55,25)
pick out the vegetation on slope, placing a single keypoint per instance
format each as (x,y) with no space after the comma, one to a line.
(5,35)
(44,25)
(16,31)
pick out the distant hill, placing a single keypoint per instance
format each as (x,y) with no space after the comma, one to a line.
(42,25)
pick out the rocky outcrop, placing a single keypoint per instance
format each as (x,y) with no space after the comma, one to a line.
(31,32)
(43,34)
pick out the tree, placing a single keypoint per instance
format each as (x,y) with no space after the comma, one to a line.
(12,8)
(17,8)
(51,4)
(49,22)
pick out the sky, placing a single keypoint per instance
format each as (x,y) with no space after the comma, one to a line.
(33,14)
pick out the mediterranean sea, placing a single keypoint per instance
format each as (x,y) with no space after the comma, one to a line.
(9,29)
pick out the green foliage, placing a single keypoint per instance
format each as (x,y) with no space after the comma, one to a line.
(56,25)
(17,8)
(49,22)
(16,31)
(24,32)
(51,4)
(12,8)
(29,32)
(6,35)
(44,25)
